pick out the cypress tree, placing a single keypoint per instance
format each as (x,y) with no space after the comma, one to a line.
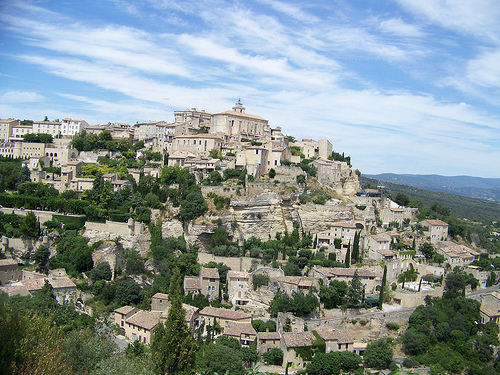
(382,289)
(173,347)
(355,247)
(348,256)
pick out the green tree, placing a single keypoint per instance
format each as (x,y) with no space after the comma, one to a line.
(193,206)
(101,272)
(382,289)
(427,250)
(378,354)
(401,199)
(30,227)
(220,237)
(347,260)
(216,154)
(333,295)
(273,357)
(128,292)
(41,257)
(271,173)
(219,359)
(173,348)
(355,248)
(355,292)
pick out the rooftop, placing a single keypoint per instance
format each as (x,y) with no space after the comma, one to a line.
(225,313)
(145,319)
(209,273)
(298,339)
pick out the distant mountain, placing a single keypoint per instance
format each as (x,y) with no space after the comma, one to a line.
(473,187)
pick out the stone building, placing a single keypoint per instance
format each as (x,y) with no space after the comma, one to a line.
(438,230)
(235,124)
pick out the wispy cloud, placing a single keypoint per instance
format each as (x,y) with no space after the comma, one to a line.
(21,97)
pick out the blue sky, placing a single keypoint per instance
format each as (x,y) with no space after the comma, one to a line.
(401,86)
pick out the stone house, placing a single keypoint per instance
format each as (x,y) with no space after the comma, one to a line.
(236,124)
(207,283)
(367,276)
(9,271)
(294,284)
(223,317)
(438,230)
(455,254)
(141,324)
(290,343)
(237,287)
(198,144)
(122,314)
(160,303)
(490,307)
(329,172)
(243,332)
(267,341)
(6,128)
(335,340)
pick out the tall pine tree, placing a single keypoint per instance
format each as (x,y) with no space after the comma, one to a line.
(355,248)
(173,348)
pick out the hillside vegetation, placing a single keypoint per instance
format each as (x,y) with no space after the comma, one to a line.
(479,210)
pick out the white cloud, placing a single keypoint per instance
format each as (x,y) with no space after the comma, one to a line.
(396,26)
(21,97)
(478,17)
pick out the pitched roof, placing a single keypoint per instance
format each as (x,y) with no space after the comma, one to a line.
(8,262)
(298,339)
(189,310)
(145,319)
(209,273)
(224,313)
(269,336)
(240,114)
(124,310)
(237,329)
(436,222)
(237,275)
(192,283)
(328,333)
(61,282)
(160,296)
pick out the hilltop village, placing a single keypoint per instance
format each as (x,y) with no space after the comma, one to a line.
(277,244)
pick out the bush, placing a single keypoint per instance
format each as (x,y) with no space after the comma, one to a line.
(273,357)
(392,326)
(410,363)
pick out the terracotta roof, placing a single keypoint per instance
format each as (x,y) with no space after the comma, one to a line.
(269,336)
(192,283)
(359,345)
(15,289)
(237,275)
(237,329)
(298,339)
(305,283)
(225,313)
(124,310)
(436,222)
(209,273)
(34,284)
(145,319)
(328,333)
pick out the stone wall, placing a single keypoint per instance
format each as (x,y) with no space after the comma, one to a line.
(116,228)
(235,263)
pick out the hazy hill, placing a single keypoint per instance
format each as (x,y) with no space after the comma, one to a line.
(463,207)
(474,187)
